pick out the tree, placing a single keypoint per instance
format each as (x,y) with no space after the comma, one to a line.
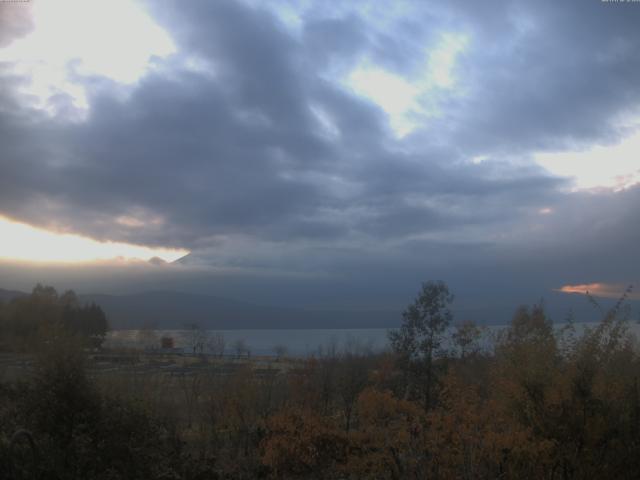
(44,293)
(89,321)
(240,347)
(216,344)
(530,325)
(69,298)
(79,430)
(419,338)
(196,338)
(466,338)
(280,351)
(27,317)
(351,379)
(303,444)
(388,442)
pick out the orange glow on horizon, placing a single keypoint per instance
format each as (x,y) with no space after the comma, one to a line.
(604,290)
(20,241)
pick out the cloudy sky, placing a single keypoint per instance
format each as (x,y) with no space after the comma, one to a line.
(321,153)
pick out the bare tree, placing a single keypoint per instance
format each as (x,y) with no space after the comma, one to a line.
(216,344)
(196,338)
(240,347)
(280,351)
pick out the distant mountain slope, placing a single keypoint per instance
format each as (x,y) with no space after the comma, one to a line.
(188,259)
(170,309)
(174,310)
(7,295)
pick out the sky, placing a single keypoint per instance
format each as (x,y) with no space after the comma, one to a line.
(321,153)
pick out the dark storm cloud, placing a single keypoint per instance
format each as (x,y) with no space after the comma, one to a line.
(258,144)
(546,75)
(330,40)
(182,147)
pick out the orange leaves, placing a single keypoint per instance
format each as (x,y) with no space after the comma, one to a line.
(468,437)
(301,442)
(383,409)
(387,442)
(536,408)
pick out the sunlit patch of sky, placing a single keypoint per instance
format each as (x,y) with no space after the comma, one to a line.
(24,242)
(114,39)
(407,99)
(615,167)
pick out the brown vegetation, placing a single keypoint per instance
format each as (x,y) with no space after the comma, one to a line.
(539,403)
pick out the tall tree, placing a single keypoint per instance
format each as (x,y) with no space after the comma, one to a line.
(421,334)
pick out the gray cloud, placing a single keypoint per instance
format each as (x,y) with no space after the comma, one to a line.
(547,75)
(240,168)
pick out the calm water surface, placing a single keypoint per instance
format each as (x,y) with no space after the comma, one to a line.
(263,342)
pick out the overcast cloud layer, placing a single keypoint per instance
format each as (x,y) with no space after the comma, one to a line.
(250,147)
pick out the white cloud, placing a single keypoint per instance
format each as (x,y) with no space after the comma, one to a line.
(443,58)
(395,95)
(112,39)
(613,167)
(407,101)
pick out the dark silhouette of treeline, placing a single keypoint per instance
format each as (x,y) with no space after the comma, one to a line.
(533,402)
(24,320)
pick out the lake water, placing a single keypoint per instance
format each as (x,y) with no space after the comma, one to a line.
(259,342)
(297,342)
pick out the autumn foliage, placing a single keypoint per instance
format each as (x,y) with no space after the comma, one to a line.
(539,402)
(534,401)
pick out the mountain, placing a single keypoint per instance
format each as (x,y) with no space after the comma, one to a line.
(175,310)
(190,259)
(8,295)
(169,309)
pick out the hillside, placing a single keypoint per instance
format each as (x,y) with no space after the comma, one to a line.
(174,310)
(7,295)
(169,309)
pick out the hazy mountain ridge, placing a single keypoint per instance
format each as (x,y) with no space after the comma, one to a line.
(171,309)
(175,309)
(8,295)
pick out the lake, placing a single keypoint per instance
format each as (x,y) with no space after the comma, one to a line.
(299,342)
(302,342)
